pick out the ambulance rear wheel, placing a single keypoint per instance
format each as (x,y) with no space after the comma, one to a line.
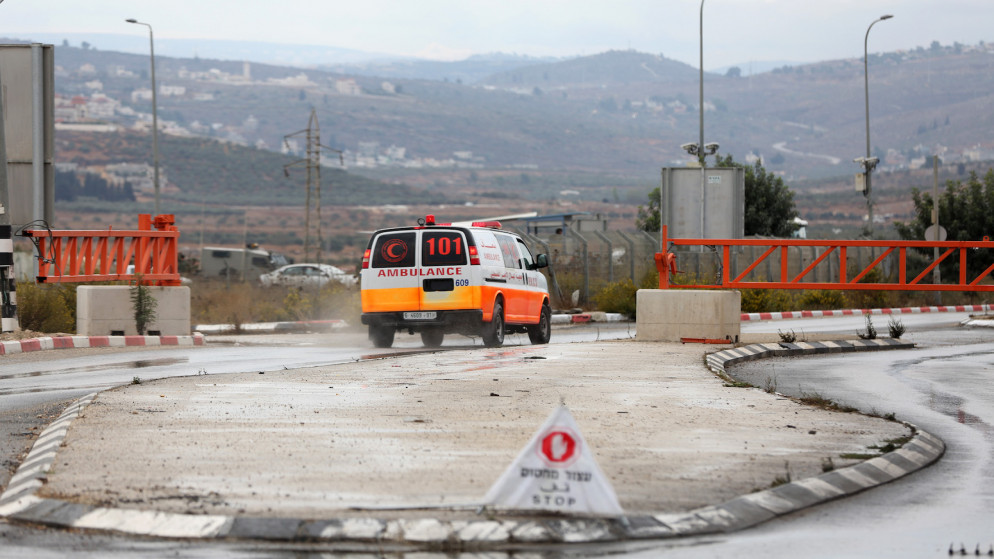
(493,331)
(381,336)
(432,337)
(541,333)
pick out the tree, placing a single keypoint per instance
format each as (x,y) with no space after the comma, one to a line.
(769,203)
(966,212)
(648,216)
(734,72)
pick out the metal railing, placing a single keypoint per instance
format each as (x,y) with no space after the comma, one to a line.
(790,274)
(96,256)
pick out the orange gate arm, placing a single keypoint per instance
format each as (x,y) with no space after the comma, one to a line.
(95,256)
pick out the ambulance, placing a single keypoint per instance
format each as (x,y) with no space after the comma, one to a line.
(436,279)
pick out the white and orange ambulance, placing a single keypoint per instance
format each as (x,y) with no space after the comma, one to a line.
(437,279)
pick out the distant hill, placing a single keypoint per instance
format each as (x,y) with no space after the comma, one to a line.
(470,71)
(620,113)
(609,68)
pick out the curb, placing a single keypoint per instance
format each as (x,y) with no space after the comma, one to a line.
(861,312)
(582,318)
(20,503)
(71,342)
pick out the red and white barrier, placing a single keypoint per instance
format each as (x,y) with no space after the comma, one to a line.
(70,342)
(861,312)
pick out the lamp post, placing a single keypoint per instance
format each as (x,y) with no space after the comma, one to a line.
(155,113)
(868,162)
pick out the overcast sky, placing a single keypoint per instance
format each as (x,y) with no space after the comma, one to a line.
(735,31)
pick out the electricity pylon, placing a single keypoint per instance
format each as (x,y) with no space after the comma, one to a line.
(313,163)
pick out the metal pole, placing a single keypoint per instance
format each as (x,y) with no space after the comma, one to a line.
(866,94)
(936,278)
(700,144)
(155,114)
(38,134)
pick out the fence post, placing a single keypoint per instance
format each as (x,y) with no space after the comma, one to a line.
(586,263)
(610,255)
(631,254)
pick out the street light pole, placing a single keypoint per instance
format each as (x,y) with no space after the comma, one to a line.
(155,114)
(869,163)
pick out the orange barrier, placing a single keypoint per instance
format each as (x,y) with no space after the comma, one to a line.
(666,264)
(92,256)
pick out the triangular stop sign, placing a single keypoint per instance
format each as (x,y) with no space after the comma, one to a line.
(556,471)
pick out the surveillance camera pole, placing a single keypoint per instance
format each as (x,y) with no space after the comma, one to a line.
(700,145)
(868,163)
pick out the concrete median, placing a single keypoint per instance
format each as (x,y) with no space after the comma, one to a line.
(404,449)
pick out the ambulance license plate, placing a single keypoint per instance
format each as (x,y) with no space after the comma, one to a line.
(423,315)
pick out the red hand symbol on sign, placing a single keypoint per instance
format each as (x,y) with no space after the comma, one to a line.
(558,447)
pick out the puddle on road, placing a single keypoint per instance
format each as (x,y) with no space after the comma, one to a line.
(137,364)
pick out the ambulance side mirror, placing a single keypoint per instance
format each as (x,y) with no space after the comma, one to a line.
(541,261)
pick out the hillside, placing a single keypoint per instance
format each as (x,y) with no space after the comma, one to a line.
(623,112)
(202,170)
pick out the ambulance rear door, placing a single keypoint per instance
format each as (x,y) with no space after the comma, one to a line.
(444,276)
(391,283)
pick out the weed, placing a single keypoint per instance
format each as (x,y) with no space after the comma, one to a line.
(136,380)
(887,416)
(857,456)
(770,387)
(870,333)
(787,337)
(896,328)
(819,401)
(783,479)
(144,304)
(738,384)
(889,445)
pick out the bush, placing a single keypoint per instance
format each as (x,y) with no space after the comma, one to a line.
(48,308)
(617,297)
(822,299)
(218,302)
(767,300)
(620,296)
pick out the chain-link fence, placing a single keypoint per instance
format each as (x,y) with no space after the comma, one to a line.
(583,263)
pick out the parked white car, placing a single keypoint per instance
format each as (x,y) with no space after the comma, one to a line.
(306,275)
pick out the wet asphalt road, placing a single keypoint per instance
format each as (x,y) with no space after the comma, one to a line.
(944,387)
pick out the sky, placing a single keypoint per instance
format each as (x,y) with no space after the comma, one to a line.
(736,32)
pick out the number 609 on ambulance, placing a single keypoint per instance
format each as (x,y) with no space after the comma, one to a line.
(436,279)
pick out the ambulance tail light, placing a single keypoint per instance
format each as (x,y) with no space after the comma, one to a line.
(474,257)
(491,224)
(365,259)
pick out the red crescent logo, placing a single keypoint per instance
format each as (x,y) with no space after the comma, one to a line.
(394,250)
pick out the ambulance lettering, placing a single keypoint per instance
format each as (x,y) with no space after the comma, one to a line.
(419,272)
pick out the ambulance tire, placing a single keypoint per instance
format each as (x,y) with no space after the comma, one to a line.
(541,332)
(493,331)
(382,336)
(432,337)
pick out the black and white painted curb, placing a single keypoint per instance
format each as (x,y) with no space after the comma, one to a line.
(20,503)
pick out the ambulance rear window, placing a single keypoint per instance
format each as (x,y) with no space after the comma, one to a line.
(443,248)
(394,250)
